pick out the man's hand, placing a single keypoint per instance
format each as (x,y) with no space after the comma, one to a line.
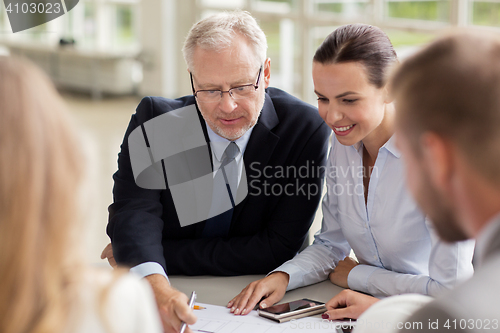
(272,288)
(348,304)
(341,272)
(107,253)
(172,304)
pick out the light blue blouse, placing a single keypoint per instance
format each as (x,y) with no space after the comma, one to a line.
(396,246)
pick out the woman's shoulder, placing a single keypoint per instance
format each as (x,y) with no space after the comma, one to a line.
(118,300)
(119,288)
(114,281)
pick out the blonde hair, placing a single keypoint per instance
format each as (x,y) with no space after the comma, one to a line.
(218,31)
(39,180)
(452,88)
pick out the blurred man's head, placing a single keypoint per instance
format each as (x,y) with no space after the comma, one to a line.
(448,127)
(222,52)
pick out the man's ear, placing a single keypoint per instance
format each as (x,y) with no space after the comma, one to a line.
(437,153)
(267,72)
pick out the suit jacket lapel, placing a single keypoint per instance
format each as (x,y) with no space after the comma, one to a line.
(260,146)
(200,226)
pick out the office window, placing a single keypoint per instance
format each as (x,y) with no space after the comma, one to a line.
(38,33)
(89,32)
(124,23)
(80,24)
(276,6)
(103,24)
(294,28)
(486,13)
(401,38)
(284,49)
(223,4)
(345,9)
(419,10)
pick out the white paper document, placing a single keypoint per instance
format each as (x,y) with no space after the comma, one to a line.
(218,319)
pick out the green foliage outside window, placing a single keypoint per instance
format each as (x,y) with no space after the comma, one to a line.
(420,10)
(340,8)
(124,22)
(486,13)
(405,38)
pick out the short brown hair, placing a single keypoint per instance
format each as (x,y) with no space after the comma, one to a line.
(452,88)
(362,43)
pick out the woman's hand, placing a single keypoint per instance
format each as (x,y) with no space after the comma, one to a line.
(272,288)
(348,304)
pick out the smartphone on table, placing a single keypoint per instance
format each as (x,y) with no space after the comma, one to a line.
(298,309)
(293,310)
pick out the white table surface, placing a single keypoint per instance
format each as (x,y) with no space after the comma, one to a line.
(219,290)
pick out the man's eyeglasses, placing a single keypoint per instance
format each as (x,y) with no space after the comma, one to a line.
(240,92)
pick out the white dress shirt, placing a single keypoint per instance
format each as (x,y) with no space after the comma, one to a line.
(397,248)
(218,145)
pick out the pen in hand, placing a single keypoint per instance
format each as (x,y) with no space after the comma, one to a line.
(191,305)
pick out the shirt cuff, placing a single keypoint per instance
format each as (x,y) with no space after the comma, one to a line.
(149,268)
(293,272)
(358,277)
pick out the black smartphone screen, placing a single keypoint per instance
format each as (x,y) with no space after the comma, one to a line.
(292,306)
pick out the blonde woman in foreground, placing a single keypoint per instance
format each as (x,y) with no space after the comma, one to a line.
(43,288)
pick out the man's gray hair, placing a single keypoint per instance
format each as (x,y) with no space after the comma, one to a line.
(218,31)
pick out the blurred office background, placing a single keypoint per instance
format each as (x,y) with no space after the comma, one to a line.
(127,49)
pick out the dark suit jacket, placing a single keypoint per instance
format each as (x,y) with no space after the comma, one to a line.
(266,229)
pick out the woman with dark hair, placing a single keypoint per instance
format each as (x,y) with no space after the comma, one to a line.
(367,207)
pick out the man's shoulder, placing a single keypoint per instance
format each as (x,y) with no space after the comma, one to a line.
(291,110)
(475,301)
(480,293)
(152,106)
(285,100)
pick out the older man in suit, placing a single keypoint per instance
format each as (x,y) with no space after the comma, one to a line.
(280,142)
